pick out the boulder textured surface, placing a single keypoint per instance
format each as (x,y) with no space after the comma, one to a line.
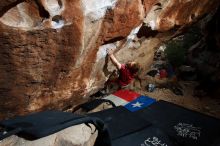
(53,52)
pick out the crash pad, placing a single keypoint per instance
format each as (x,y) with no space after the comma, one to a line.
(186,127)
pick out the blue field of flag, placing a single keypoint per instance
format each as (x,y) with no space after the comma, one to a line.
(139,103)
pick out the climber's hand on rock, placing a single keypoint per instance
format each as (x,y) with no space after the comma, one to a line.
(110,51)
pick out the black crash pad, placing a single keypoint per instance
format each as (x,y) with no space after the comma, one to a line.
(186,127)
(150,136)
(120,121)
(42,124)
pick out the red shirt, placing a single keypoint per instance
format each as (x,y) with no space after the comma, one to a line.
(125,76)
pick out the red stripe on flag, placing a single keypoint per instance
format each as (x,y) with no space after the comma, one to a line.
(126,95)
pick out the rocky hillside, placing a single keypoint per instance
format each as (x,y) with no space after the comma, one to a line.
(53,52)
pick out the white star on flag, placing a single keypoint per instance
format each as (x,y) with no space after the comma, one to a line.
(137,104)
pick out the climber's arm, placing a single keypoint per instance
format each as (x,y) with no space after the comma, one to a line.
(113,59)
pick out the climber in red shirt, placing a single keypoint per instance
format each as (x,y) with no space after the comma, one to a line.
(126,71)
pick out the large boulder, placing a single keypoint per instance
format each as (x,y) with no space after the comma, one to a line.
(53,51)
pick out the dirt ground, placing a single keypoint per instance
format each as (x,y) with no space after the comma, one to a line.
(205,105)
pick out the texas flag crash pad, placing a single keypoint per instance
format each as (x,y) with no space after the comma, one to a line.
(131,100)
(139,103)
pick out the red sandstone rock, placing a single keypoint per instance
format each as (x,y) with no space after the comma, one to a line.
(38,66)
(126,16)
(179,13)
(148,4)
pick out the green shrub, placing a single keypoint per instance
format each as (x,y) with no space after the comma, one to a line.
(175,53)
(176,49)
(191,37)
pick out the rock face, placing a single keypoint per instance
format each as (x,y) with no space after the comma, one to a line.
(79,135)
(53,51)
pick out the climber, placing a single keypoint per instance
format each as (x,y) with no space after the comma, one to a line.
(126,73)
